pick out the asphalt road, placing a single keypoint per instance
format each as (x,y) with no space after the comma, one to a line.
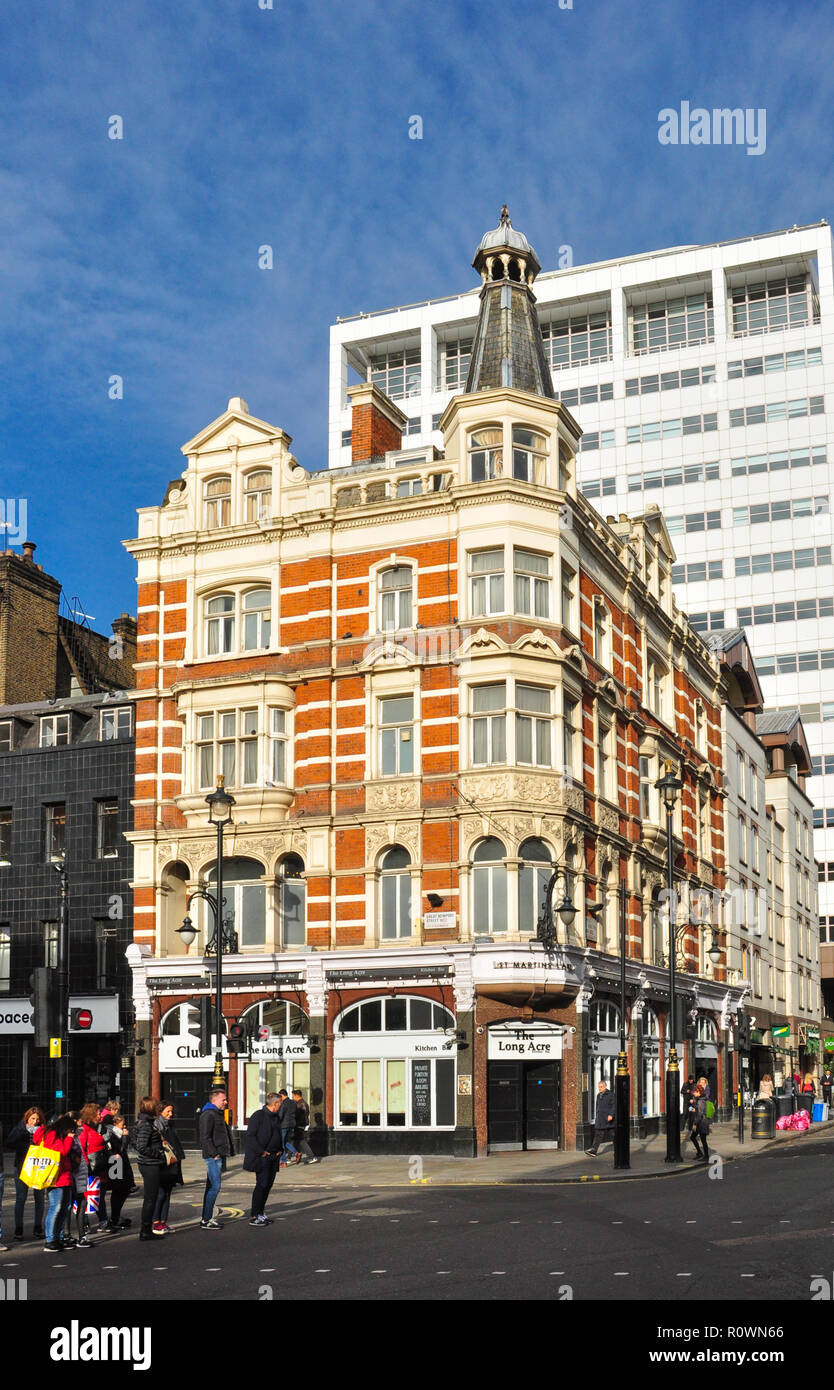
(761,1232)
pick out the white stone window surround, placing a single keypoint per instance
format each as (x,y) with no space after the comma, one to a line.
(196,640)
(514,671)
(395,560)
(254,692)
(381,685)
(374,891)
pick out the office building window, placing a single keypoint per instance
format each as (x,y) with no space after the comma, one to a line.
(770,562)
(698,572)
(774,362)
(54,831)
(596,439)
(575,341)
(586,395)
(669,381)
(600,487)
(778,461)
(787,612)
(766,411)
(671,429)
(107,829)
(679,321)
(679,476)
(766,306)
(455,355)
(397,373)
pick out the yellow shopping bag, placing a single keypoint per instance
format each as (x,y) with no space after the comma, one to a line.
(40,1166)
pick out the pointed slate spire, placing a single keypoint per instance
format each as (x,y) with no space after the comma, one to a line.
(508,348)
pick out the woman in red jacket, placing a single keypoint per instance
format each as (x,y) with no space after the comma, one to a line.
(58,1135)
(87,1183)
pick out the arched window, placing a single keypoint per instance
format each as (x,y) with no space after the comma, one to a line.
(705,1031)
(604,1018)
(489,875)
(220,624)
(217,503)
(256,619)
(486,454)
(658,917)
(651,1063)
(533,877)
(529,451)
(183,1021)
(292,901)
(395,893)
(396,1014)
(245,900)
(651,1024)
(283,1018)
(395,598)
(257,495)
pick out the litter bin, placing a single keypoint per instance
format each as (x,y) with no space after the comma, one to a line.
(784,1106)
(805,1103)
(764,1120)
(819,1112)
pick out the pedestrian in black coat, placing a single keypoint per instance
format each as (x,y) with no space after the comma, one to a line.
(172,1172)
(147,1142)
(263,1149)
(603,1117)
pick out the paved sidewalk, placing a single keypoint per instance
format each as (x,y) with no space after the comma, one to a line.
(541,1166)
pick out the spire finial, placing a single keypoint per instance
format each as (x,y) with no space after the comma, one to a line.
(505,217)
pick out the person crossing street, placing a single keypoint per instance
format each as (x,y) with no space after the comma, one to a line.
(261,1155)
(603,1118)
(216,1144)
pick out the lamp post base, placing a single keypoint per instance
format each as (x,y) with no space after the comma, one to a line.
(622,1109)
(673,1120)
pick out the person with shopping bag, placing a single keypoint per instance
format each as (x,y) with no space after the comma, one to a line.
(20,1142)
(40,1169)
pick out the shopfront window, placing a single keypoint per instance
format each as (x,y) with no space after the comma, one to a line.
(395,1067)
(279,1059)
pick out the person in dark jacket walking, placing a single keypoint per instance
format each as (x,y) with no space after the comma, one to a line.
(171,1174)
(603,1117)
(700,1124)
(147,1142)
(216,1144)
(686,1096)
(19,1140)
(826,1081)
(302,1121)
(287,1121)
(263,1149)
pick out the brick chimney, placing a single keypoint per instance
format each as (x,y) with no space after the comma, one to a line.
(376,425)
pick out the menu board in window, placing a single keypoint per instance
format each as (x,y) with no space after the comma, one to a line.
(421,1093)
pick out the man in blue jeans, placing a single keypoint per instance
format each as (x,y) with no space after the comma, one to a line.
(216,1144)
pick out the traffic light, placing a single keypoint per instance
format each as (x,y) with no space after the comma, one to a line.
(744,1032)
(236,1039)
(42,999)
(204,1008)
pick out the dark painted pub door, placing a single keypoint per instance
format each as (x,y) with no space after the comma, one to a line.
(524,1105)
(188,1093)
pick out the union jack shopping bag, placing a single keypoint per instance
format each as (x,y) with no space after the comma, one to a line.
(40,1167)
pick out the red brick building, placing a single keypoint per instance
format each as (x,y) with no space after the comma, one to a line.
(436,685)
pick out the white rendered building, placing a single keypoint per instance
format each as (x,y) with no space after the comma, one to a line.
(698,375)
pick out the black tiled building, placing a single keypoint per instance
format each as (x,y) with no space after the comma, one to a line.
(67,757)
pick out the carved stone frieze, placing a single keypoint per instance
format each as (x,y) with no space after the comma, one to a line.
(392,796)
(607,818)
(405,833)
(544,790)
(200,850)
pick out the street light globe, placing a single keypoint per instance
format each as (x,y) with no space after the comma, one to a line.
(567,912)
(187,931)
(220,805)
(714,953)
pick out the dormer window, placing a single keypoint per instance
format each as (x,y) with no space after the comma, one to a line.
(529,451)
(257,496)
(217,508)
(486,454)
(55,729)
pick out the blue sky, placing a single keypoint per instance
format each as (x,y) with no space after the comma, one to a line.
(245,126)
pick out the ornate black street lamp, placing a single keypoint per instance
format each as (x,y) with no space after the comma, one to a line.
(622,1102)
(224,938)
(669,786)
(546,931)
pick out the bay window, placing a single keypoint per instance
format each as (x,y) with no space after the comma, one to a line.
(278,745)
(528,455)
(486,582)
(531,583)
(227,744)
(532,724)
(486,453)
(570,736)
(489,724)
(489,888)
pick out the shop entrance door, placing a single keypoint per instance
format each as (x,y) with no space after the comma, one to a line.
(524,1105)
(188,1092)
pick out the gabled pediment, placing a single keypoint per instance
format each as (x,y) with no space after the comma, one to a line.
(235,427)
(482,642)
(536,644)
(387,654)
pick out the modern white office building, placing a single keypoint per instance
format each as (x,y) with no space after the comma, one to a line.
(700,377)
